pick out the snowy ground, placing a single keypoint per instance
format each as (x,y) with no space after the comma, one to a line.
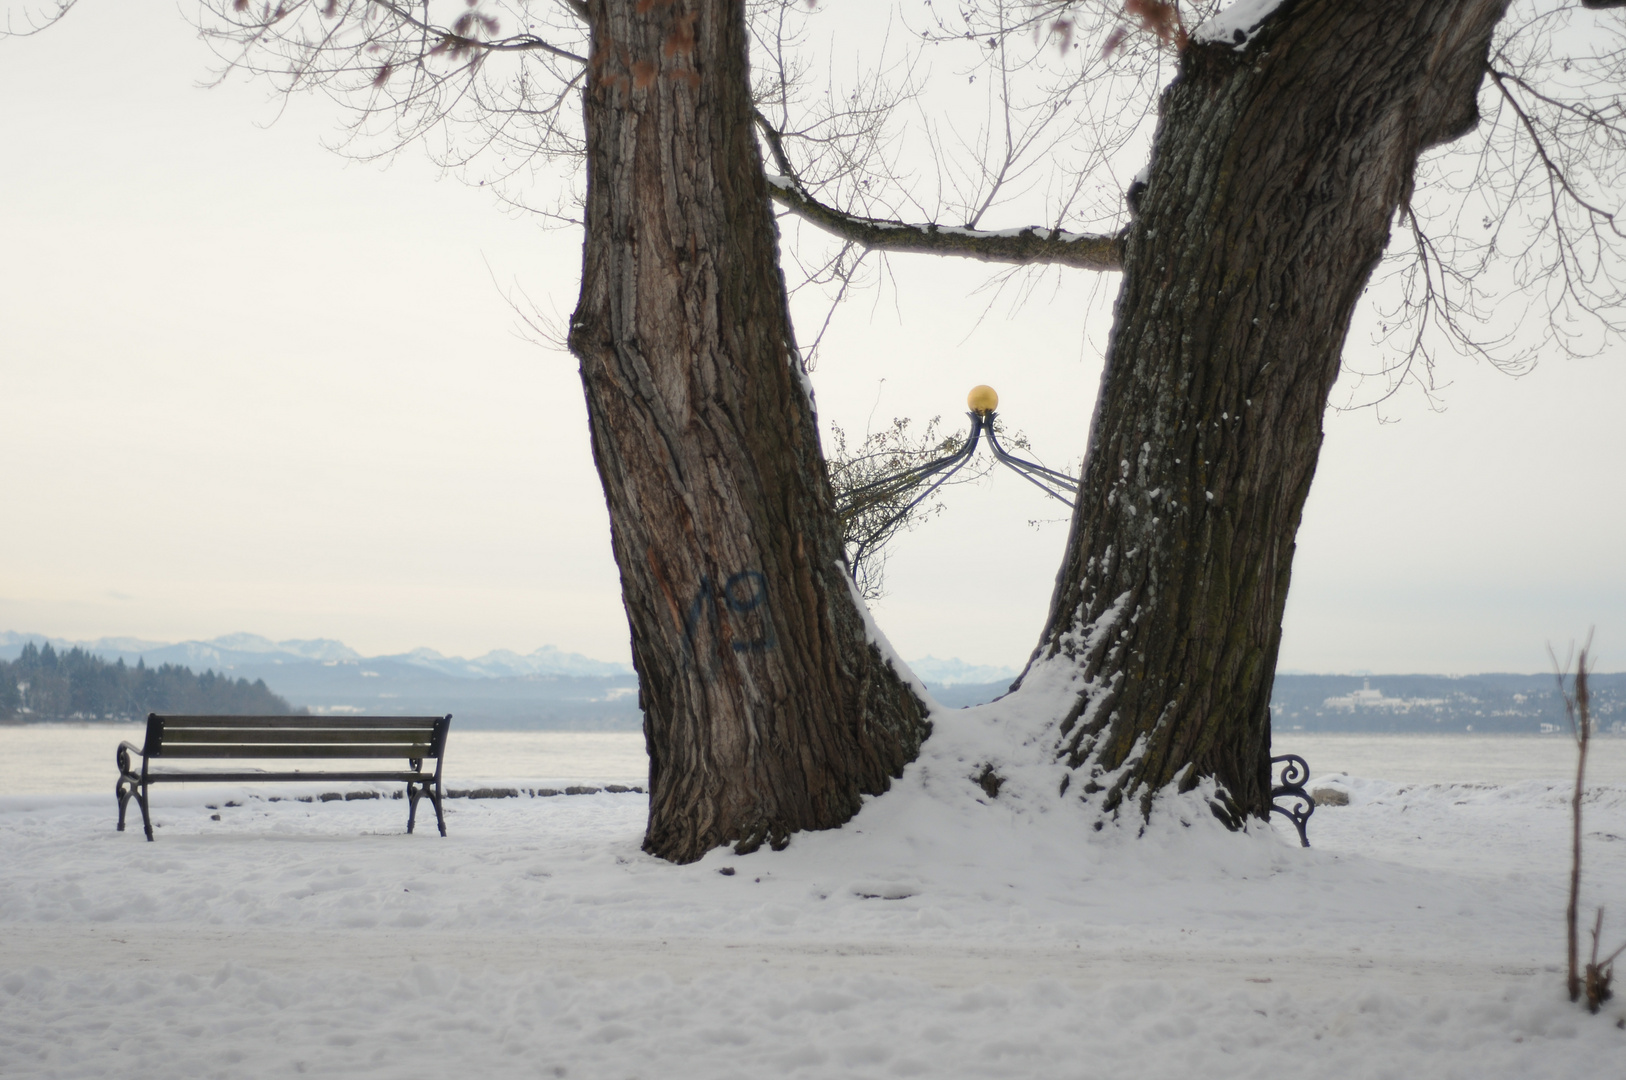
(935,936)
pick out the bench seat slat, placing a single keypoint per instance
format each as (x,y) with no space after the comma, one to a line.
(401,750)
(249,776)
(310,736)
(180,723)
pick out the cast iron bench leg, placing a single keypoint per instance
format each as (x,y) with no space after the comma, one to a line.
(146,816)
(413,795)
(440,818)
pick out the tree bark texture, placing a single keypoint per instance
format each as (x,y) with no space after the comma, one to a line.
(1276,174)
(766,710)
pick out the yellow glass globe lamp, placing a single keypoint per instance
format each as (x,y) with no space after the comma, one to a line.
(982,400)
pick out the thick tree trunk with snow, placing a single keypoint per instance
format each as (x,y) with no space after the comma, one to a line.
(1277,171)
(766,710)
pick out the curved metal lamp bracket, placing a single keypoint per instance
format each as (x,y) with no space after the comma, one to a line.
(1055,484)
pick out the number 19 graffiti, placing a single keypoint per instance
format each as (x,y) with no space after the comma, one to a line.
(742,594)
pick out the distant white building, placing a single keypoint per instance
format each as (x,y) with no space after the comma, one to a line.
(1368,698)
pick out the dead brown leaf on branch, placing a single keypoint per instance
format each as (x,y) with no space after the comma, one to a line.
(1160,18)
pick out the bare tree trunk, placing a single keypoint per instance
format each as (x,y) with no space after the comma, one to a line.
(1277,172)
(766,710)
(1581,716)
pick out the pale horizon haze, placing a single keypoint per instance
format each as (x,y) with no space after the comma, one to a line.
(252,385)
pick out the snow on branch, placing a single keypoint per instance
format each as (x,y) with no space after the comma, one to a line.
(1237,24)
(1033,244)
(1030,245)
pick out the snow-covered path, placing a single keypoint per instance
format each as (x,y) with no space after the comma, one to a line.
(947,966)
(527,1004)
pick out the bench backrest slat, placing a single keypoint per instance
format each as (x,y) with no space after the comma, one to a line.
(296,736)
(311,736)
(177,723)
(397,751)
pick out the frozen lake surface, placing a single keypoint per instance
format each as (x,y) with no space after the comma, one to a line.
(67,758)
(1487,759)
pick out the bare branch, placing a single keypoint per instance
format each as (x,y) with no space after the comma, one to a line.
(456,42)
(1013,110)
(1501,80)
(34,23)
(1029,245)
(1032,245)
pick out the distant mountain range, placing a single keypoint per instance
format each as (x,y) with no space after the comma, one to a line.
(956,672)
(231,651)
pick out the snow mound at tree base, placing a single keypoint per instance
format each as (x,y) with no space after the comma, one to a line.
(990,772)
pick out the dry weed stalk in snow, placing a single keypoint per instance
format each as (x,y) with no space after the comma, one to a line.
(1594,982)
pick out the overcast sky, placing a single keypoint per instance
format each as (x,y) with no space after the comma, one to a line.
(246,384)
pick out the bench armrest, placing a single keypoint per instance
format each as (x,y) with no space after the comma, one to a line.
(122,757)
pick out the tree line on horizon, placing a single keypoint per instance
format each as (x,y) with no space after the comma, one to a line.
(43,684)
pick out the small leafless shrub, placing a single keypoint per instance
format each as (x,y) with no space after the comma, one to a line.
(873,490)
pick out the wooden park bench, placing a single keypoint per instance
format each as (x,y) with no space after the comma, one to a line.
(298,738)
